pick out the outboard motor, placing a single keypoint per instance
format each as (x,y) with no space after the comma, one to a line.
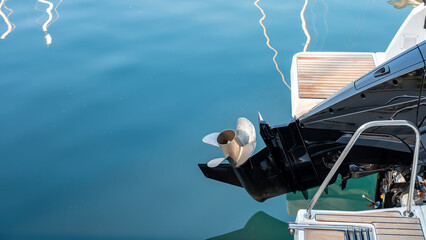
(283,166)
(300,154)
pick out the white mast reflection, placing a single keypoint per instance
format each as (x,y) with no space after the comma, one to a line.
(5,17)
(268,42)
(50,20)
(305,29)
(325,23)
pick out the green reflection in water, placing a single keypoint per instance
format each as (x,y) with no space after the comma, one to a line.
(259,226)
(263,226)
(349,199)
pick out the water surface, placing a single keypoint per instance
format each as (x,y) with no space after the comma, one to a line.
(103,105)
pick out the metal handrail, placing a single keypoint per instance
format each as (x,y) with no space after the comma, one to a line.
(350,145)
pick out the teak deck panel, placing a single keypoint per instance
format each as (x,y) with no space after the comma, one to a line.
(322,74)
(389,225)
(324,234)
(399,237)
(365,219)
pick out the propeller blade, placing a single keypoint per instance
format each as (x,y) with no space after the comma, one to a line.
(246,153)
(215,162)
(245,131)
(211,139)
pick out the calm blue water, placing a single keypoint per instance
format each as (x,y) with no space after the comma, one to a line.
(100,131)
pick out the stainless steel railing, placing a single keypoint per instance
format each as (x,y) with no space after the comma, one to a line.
(349,147)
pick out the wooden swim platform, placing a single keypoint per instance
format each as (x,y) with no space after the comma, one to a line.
(321,74)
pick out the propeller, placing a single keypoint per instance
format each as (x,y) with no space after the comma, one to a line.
(237,145)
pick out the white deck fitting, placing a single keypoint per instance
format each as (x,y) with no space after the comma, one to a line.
(410,33)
